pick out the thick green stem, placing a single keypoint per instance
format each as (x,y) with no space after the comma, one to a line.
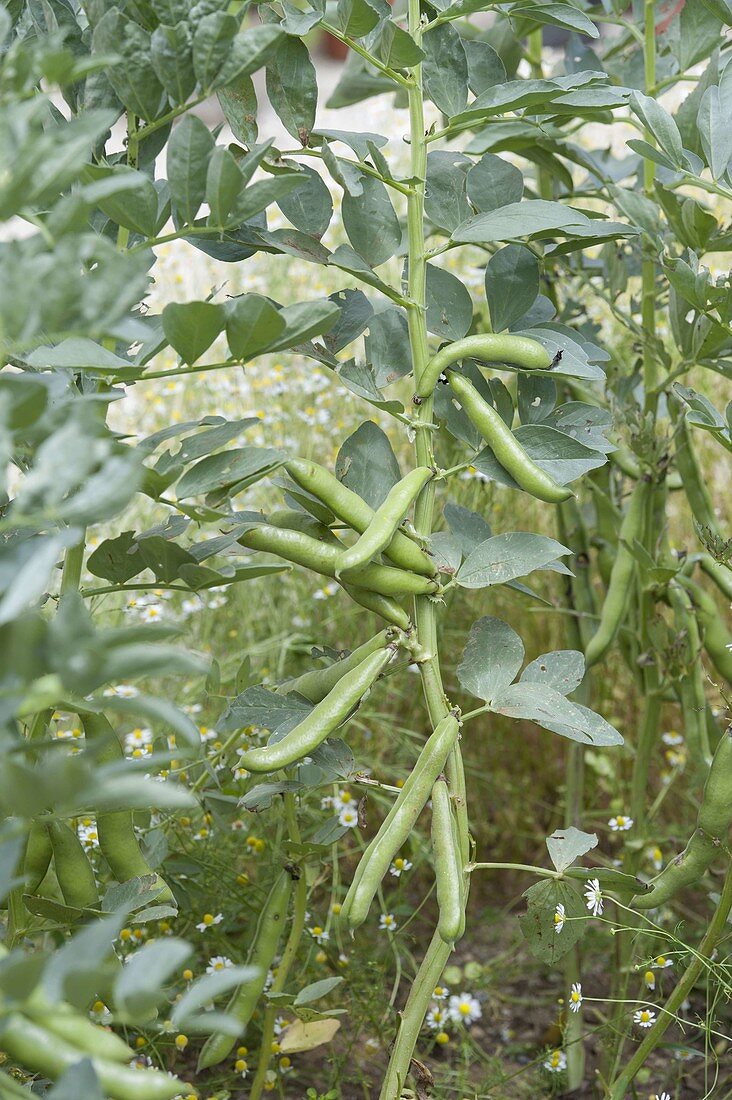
(667,1014)
(438,952)
(288,957)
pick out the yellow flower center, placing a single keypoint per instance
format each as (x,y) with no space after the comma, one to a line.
(208,918)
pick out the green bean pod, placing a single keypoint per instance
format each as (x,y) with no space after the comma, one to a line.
(690,685)
(387,519)
(720,574)
(518,351)
(315,685)
(686,869)
(116,831)
(716,636)
(399,822)
(353,510)
(325,558)
(617,598)
(38,854)
(505,445)
(325,717)
(715,812)
(73,870)
(383,606)
(65,1023)
(448,865)
(694,485)
(261,956)
(36,1049)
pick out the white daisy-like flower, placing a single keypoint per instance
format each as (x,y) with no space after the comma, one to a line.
(464,1008)
(125,691)
(326,591)
(436,1018)
(672,738)
(644,1017)
(348,817)
(556,1062)
(656,857)
(399,866)
(387,922)
(343,798)
(662,963)
(326,802)
(650,979)
(620,823)
(209,920)
(661,1096)
(153,613)
(207,734)
(440,993)
(559,917)
(87,833)
(575,997)
(139,739)
(217,963)
(593,894)
(319,934)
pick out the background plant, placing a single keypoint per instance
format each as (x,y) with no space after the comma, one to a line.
(595,254)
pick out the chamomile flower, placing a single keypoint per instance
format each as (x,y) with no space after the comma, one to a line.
(343,798)
(207,734)
(86,830)
(124,691)
(593,894)
(620,823)
(672,738)
(399,866)
(436,1018)
(440,993)
(559,917)
(139,739)
(662,963)
(217,963)
(153,613)
(209,920)
(656,857)
(464,1009)
(387,922)
(650,979)
(319,934)
(644,1017)
(661,1096)
(556,1062)
(348,817)
(575,997)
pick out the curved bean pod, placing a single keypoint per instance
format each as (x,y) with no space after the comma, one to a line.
(324,558)
(41,1052)
(685,869)
(716,636)
(38,854)
(617,598)
(720,574)
(519,351)
(715,812)
(505,445)
(73,869)
(448,865)
(387,519)
(116,831)
(261,956)
(65,1023)
(315,685)
(384,606)
(353,510)
(323,719)
(399,822)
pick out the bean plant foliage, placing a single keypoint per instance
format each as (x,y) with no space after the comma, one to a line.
(515,171)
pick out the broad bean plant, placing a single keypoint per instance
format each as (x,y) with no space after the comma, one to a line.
(576,378)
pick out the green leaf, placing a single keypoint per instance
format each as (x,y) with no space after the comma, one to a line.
(562,669)
(189,151)
(237,468)
(186,1014)
(238,101)
(663,127)
(252,324)
(491,659)
(136,206)
(559,455)
(371,223)
(192,327)
(308,206)
(141,985)
(133,77)
(565,846)
(396,48)
(445,69)
(557,15)
(224,182)
(469,528)
(494,183)
(543,705)
(367,464)
(212,42)
(520,219)
(511,284)
(79,1080)
(505,557)
(292,88)
(250,50)
(449,305)
(485,67)
(356,17)
(171,56)
(537,923)
(304,320)
(258,706)
(715,131)
(445,201)
(316,990)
